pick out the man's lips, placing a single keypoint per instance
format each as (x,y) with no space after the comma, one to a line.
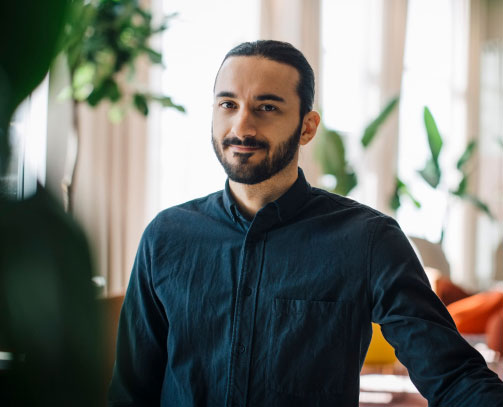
(244,149)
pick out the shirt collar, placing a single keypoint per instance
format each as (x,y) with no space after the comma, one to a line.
(286,206)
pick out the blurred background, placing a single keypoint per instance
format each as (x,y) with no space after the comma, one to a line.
(410,93)
(446,55)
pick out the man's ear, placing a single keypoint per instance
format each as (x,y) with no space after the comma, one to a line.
(309,125)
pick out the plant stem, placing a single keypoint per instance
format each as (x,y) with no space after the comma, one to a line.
(71,165)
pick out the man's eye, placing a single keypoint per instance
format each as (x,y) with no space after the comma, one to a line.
(267,108)
(227,105)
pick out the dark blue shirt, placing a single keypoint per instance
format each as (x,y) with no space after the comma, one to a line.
(221,311)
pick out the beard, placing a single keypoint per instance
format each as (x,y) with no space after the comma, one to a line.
(250,174)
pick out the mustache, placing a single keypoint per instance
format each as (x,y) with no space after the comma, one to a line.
(247,142)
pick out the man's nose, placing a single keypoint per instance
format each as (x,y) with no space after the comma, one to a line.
(244,124)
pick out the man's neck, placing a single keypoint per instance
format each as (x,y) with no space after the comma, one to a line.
(251,198)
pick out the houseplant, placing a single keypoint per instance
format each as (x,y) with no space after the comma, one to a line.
(49,323)
(331,153)
(103,43)
(432,173)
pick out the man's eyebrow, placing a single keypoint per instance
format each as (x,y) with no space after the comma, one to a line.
(270,96)
(265,96)
(225,94)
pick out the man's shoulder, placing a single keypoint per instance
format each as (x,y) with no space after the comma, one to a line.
(187,212)
(337,203)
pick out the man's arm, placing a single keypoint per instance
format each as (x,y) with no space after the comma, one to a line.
(141,344)
(442,365)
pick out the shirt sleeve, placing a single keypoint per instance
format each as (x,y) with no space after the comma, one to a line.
(443,366)
(141,343)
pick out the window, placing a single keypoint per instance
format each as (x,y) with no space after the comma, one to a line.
(28,138)
(435,75)
(350,73)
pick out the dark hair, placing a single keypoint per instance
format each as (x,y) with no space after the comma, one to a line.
(285,53)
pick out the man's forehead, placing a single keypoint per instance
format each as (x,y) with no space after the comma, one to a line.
(256,74)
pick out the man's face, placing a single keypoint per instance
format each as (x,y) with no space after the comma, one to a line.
(256,125)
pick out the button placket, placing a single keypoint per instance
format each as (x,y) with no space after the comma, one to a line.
(245,313)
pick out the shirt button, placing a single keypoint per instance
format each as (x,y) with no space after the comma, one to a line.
(247,291)
(241,348)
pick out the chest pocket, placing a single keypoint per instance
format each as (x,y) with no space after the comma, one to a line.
(307,347)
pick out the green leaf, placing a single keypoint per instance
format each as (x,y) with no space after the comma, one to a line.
(394,202)
(401,189)
(83,75)
(373,127)
(431,173)
(462,187)
(116,113)
(395,197)
(154,56)
(140,102)
(467,154)
(346,182)
(331,153)
(166,101)
(434,139)
(108,90)
(46,286)
(478,204)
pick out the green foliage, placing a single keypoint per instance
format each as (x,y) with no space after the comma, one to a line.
(479,205)
(49,321)
(332,156)
(401,189)
(165,101)
(104,39)
(373,126)
(331,152)
(432,173)
(467,154)
(49,312)
(26,55)
(434,139)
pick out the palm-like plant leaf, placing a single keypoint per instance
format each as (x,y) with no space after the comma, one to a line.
(434,139)
(431,173)
(332,156)
(467,154)
(478,204)
(374,125)
(462,187)
(401,189)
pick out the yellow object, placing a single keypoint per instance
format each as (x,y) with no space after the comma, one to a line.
(380,351)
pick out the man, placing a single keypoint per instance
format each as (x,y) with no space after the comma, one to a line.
(263,294)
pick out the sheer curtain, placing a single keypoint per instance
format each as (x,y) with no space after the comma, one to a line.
(436,74)
(362,59)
